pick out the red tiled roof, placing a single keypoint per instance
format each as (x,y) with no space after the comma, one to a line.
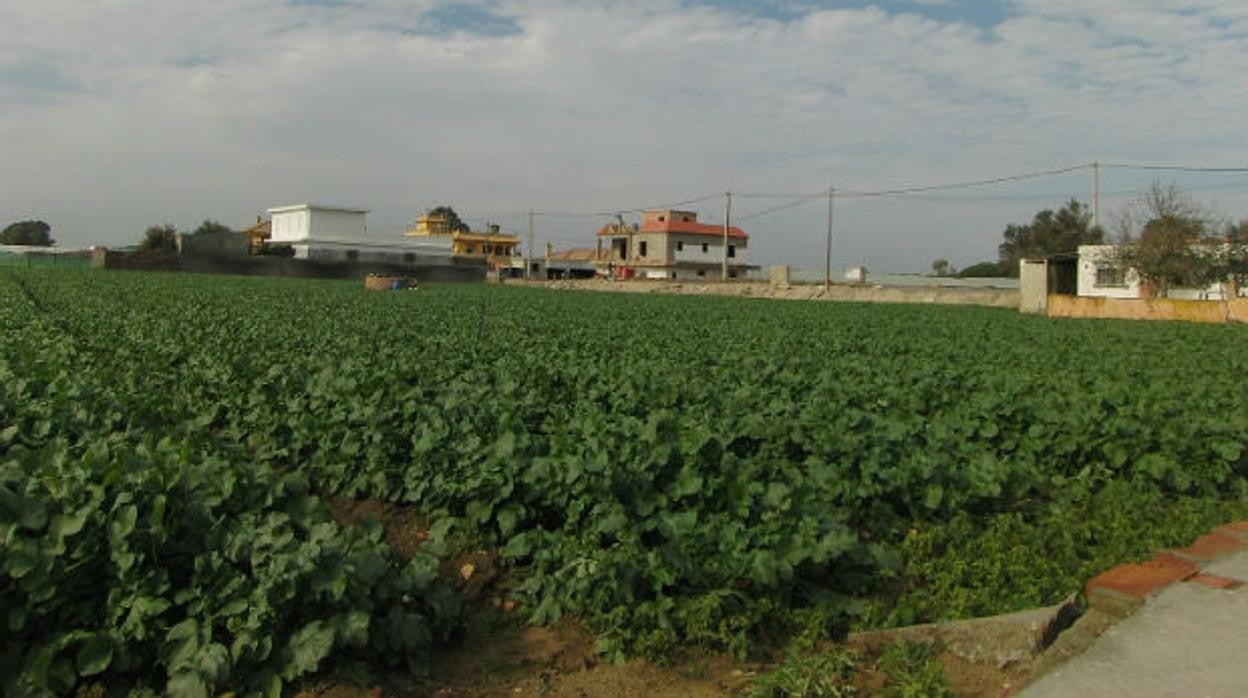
(682,227)
(691,228)
(678,227)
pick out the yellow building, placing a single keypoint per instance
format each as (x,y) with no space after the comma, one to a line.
(496,248)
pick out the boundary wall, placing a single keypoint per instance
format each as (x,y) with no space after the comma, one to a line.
(1234,310)
(990,297)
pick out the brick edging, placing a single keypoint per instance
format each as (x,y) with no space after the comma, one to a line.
(1121,589)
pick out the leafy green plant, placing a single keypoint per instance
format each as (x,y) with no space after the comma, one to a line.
(913,671)
(827,674)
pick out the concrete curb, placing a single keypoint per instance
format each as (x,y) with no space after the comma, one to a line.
(1118,592)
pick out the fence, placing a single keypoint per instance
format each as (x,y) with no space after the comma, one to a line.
(68,260)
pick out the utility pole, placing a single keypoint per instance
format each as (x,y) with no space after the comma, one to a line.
(827,252)
(727,222)
(1096,194)
(528,250)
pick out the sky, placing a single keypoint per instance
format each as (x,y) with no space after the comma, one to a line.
(120,115)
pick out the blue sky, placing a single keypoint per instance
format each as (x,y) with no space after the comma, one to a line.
(118,116)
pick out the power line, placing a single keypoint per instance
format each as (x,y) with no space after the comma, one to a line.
(1174,168)
(799,201)
(970,183)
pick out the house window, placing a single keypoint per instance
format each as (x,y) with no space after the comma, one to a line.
(487,249)
(705,247)
(1110,276)
(641,249)
(732,250)
(353,255)
(680,247)
(732,274)
(701,272)
(661,219)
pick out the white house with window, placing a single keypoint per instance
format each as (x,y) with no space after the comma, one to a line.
(1100,274)
(335,233)
(671,244)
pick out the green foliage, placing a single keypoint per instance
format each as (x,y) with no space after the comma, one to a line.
(160,238)
(1048,233)
(36,233)
(453,222)
(211,227)
(1168,242)
(146,554)
(276,250)
(913,671)
(827,674)
(698,471)
(942,267)
(983,270)
(974,566)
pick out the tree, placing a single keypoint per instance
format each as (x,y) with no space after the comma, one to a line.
(941,267)
(1172,248)
(981,270)
(453,223)
(160,238)
(27,233)
(211,227)
(1048,233)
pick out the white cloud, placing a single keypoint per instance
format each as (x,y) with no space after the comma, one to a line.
(182,110)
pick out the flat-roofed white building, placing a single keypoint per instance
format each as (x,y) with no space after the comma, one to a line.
(1102,274)
(340,233)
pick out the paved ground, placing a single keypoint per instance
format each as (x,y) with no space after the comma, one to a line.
(1188,638)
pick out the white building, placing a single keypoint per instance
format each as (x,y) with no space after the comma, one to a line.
(1100,274)
(338,233)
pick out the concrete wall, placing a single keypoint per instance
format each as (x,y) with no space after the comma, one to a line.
(424,268)
(778,275)
(135,261)
(692,248)
(712,286)
(1033,285)
(214,245)
(427,269)
(1156,309)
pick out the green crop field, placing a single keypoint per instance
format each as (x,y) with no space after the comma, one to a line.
(672,471)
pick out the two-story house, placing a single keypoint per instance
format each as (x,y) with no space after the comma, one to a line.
(498,249)
(670,244)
